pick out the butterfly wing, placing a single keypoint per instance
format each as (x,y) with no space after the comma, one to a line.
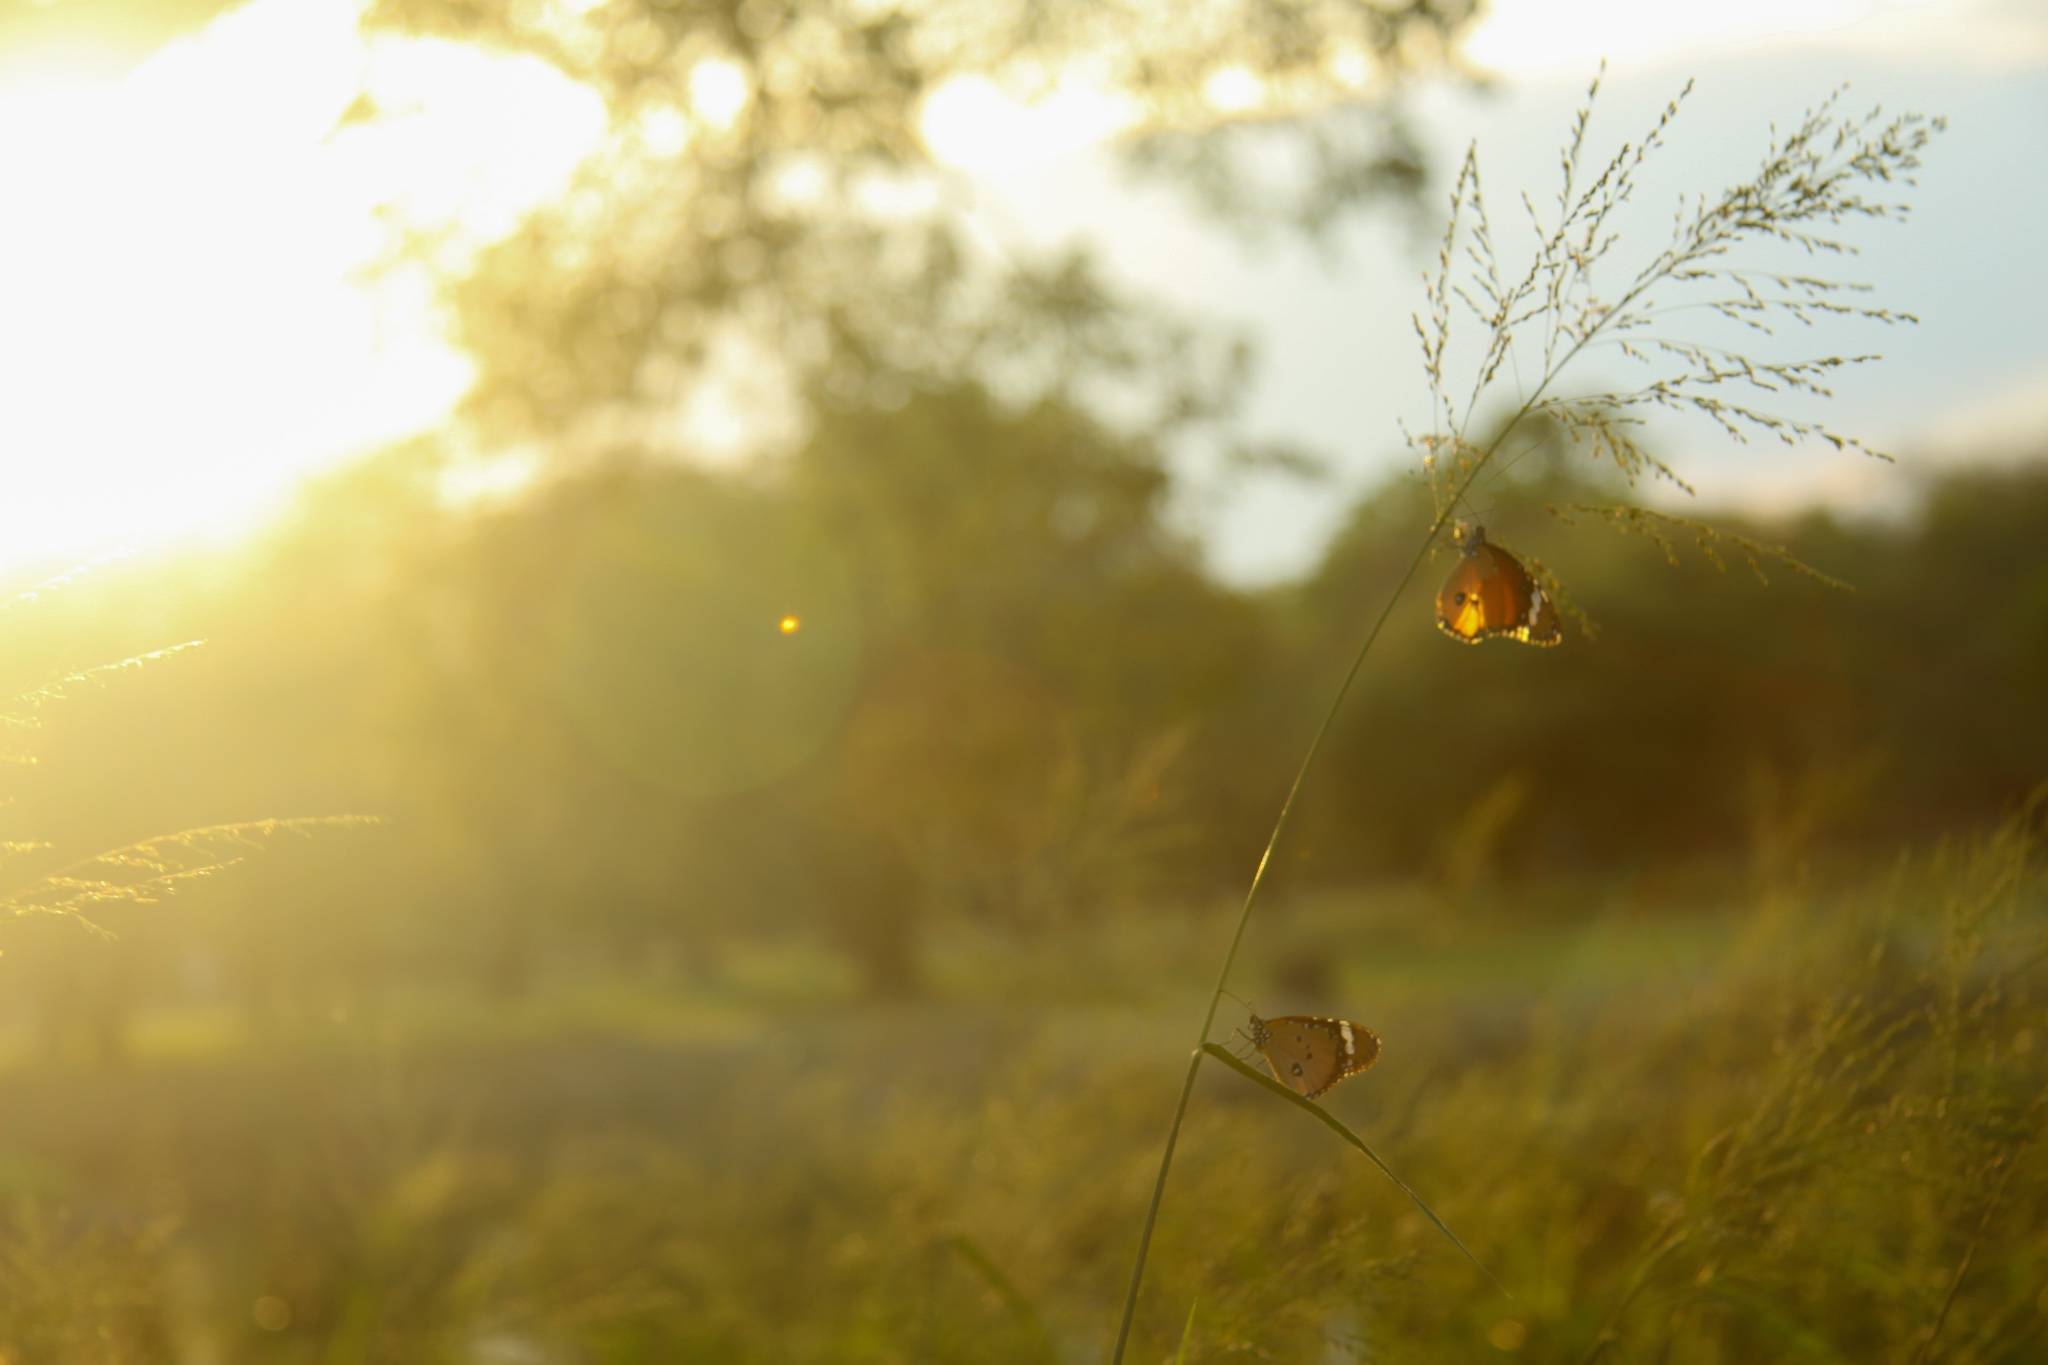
(1489,593)
(1460,612)
(1308,1054)
(1544,626)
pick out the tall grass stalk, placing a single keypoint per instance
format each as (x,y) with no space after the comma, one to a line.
(1810,182)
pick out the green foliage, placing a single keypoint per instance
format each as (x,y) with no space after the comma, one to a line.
(1038,536)
(402,663)
(583,713)
(1700,686)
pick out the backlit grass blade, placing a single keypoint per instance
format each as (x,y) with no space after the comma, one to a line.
(1180,1357)
(1331,1122)
(1006,1289)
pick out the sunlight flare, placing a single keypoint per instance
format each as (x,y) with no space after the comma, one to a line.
(199,307)
(973,124)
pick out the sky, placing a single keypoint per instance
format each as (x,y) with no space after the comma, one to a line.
(1340,368)
(193,317)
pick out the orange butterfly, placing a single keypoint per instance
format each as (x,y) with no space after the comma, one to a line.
(1490,593)
(1309,1054)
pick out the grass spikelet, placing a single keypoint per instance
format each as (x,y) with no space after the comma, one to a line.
(23,712)
(1659,527)
(144,872)
(57,583)
(1574,297)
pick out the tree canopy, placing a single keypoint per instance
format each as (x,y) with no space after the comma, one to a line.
(765,214)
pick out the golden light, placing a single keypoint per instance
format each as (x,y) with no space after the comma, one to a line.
(790,625)
(719,91)
(972,123)
(1233,90)
(190,318)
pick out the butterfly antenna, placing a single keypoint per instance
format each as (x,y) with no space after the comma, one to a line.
(1238,1033)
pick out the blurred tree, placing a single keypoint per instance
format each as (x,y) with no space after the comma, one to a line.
(1007,747)
(766,232)
(1710,716)
(1039,641)
(1037,535)
(765,215)
(942,659)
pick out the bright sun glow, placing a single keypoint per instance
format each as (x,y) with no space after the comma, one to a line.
(972,123)
(718,91)
(188,321)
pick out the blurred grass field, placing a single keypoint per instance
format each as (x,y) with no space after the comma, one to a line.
(1796,1123)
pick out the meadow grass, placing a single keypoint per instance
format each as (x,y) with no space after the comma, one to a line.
(1806,1134)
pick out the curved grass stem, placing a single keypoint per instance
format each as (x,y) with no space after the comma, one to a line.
(1315,748)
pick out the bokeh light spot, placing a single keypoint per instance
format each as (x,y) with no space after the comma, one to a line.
(658,656)
(719,91)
